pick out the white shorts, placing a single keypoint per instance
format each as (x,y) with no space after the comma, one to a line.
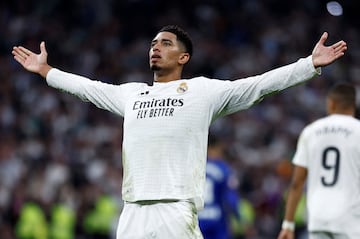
(160,220)
(328,235)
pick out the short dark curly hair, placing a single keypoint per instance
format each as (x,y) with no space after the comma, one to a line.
(181,35)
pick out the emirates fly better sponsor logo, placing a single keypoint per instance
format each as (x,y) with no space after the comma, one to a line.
(157,107)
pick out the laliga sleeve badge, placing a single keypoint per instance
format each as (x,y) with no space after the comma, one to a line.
(182,88)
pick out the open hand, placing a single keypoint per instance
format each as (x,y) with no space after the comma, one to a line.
(324,55)
(32,62)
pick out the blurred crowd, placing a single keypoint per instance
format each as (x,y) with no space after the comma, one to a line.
(60,158)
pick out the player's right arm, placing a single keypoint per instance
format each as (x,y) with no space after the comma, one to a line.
(104,96)
(294,195)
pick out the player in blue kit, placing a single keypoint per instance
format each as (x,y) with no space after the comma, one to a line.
(164,154)
(221,196)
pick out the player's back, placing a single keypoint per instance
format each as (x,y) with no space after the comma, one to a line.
(333,154)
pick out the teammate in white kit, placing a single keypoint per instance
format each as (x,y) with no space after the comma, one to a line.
(328,155)
(166,126)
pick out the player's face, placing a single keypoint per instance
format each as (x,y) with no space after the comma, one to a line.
(166,53)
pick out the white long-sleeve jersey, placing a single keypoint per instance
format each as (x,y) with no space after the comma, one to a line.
(166,125)
(330,150)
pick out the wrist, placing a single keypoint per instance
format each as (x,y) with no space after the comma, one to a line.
(314,61)
(288,225)
(44,70)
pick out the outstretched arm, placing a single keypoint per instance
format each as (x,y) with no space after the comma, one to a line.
(32,62)
(103,95)
(324,55)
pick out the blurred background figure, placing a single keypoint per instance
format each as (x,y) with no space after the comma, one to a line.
(327,158)
(221,196)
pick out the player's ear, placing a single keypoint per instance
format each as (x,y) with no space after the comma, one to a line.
(184,58)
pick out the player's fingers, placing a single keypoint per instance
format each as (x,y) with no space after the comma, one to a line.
(42,47)
(25,51)
(339,46)
(339,54)
(18,53)
(19,59)
(339,51)
(323,38)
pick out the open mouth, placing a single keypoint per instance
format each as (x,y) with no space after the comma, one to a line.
(155,56)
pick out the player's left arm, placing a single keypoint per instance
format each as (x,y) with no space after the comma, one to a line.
(243,93)
(324,55)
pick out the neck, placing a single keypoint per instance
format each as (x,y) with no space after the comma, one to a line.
(161,76)
(215,152)
(350,112)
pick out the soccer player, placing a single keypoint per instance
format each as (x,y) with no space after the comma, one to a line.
(221,197)
(166,126)
(328,155)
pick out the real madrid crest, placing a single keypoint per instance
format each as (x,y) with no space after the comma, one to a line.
(182,88)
